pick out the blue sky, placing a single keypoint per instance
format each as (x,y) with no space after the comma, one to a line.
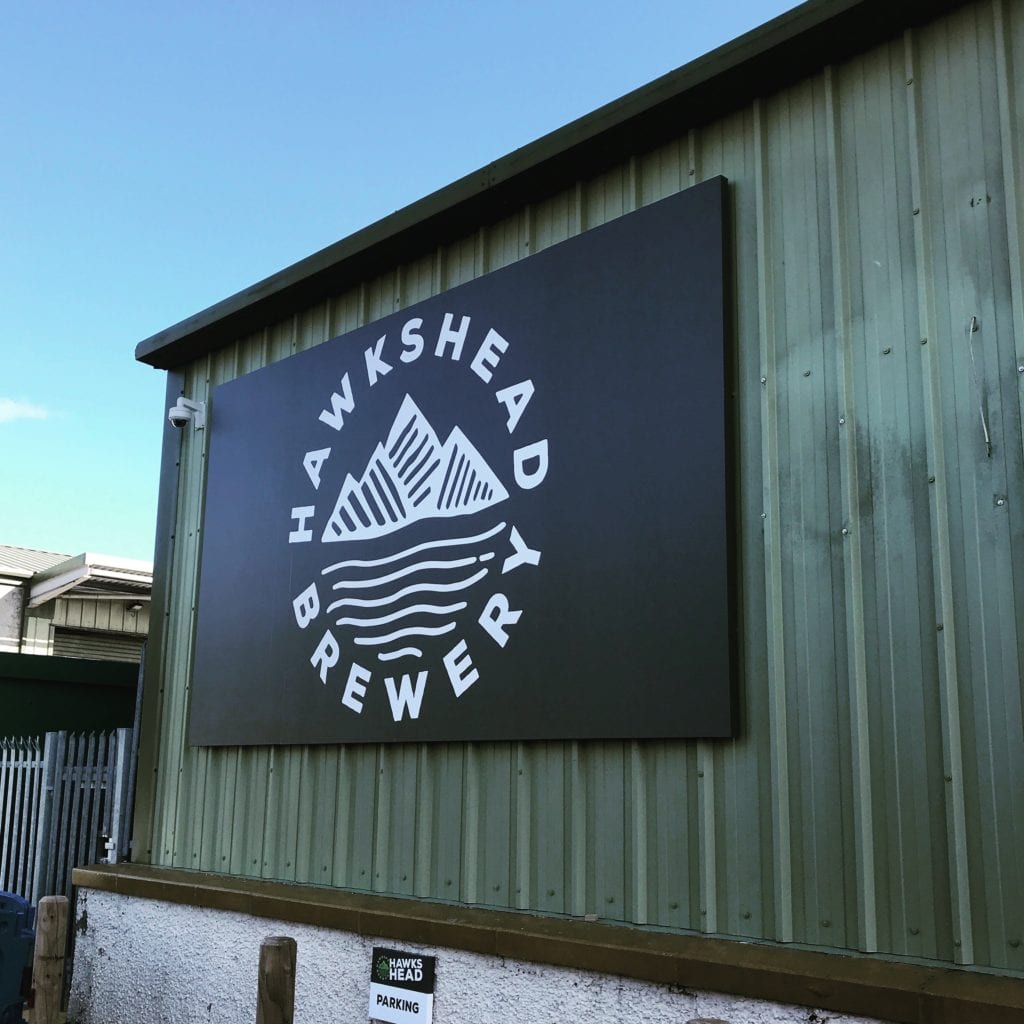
(158,158)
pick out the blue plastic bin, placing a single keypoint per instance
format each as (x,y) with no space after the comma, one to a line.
(16,942)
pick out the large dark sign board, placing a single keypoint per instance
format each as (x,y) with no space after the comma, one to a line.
(498,514)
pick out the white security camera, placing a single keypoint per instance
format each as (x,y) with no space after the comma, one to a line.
(184,411)
(178,416)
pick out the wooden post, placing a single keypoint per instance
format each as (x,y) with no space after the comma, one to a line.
(275,994)
(48,958)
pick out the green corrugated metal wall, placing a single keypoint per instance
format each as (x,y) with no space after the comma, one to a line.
(875,798)
(107,617)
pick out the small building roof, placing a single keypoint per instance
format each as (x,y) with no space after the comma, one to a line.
(50,575)
(100,577)
(24,563)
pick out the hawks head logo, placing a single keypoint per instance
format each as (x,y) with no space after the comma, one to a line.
(412,523)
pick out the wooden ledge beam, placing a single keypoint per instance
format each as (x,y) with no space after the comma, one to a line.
(845,983)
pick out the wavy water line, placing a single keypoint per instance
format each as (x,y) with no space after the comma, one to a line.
(373,641)
(414,652)
(357,563)
(428,609)
(418,588)
(379,581)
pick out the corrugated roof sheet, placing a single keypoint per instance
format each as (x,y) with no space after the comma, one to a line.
(26,562)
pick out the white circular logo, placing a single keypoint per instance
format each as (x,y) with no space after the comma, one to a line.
(411,514)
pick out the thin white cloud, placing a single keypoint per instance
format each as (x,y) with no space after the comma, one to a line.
(11,410)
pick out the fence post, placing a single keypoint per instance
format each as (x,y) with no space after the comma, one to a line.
(117,793)
(275,993)
(8,827)
(48,792)
(48,959)
(36,798)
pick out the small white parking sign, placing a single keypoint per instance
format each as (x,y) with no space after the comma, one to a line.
(401,986)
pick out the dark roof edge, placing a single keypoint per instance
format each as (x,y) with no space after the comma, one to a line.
(780,52)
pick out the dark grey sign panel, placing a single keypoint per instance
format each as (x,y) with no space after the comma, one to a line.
(498,514)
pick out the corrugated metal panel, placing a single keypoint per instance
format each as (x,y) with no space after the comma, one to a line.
(109,616)
(71,643)
(27,561)
(874,798)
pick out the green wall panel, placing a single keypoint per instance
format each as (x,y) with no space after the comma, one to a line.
(874,799)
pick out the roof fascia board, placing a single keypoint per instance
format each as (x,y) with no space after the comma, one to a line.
(101,566)
(105,575)
(75,562)
(758,63)
(57,581)
(52,587)
(112,563)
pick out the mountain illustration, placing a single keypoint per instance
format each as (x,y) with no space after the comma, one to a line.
(413,476)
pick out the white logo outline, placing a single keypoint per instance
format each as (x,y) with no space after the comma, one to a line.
(411,477)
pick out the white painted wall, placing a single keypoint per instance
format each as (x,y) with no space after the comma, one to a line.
(10,617)
(38,638)
(147,962)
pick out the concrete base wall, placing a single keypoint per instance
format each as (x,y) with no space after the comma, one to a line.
(140,961)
